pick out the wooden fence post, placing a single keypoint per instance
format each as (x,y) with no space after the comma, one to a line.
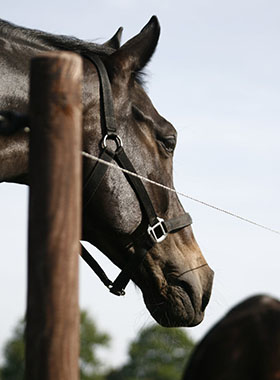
(52,333)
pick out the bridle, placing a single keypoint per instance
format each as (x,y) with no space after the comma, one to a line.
(156,229)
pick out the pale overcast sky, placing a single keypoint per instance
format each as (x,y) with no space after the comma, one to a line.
(215,76)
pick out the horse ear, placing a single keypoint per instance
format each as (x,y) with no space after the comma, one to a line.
(136,52)
(115,41)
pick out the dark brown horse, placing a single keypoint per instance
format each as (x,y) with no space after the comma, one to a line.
(174,277)
(244,345)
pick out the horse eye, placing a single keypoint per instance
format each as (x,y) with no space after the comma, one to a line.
(169,143)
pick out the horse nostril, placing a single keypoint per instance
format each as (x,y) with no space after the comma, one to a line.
(185,286)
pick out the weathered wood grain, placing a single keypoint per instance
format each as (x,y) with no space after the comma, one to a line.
(52,337)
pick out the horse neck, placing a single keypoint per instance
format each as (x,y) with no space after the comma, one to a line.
(14,158)
(14,95)
(14,89)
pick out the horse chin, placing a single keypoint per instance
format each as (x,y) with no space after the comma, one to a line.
(175,309)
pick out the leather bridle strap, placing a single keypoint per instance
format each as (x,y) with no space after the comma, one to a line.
(95,267)
(106,98)
(120,283)
(137,186)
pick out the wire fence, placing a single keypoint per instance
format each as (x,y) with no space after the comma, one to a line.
(116,167)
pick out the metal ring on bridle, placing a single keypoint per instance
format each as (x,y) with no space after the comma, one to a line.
(112,136)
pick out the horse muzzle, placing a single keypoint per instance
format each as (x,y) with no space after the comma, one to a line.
(182,300)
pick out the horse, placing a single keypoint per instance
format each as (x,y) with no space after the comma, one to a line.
(122,217)
(244,345)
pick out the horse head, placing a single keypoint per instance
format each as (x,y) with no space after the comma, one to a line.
(174,277)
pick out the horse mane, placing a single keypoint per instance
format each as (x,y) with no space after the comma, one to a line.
(61,42)
(38,38)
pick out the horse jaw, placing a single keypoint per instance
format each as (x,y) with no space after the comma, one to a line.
(176,282)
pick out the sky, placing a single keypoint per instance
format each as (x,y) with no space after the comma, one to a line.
(215,76)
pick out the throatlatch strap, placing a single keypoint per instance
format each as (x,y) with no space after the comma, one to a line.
(95,267)
(117,287)
(124,277)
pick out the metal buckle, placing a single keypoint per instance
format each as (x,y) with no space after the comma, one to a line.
(112,136)
(158,231)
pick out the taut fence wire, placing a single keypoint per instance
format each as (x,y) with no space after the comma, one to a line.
(116,167)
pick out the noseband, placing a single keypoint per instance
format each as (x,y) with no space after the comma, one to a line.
(156,229)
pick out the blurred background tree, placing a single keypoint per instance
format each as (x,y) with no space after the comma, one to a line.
(157,353)
(91,368)
(91,339)
(13,367)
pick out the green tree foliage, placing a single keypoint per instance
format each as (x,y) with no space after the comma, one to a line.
(90,340)
(13,367)
(157,354)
